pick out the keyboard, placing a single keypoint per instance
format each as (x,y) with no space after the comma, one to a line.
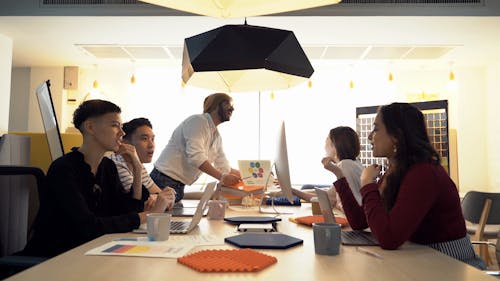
(358,238)
(175,227)
(179,225)
(282,201)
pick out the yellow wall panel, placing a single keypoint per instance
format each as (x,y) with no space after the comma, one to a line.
(40,154)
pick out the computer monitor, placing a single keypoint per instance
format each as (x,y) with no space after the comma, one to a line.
(49,120)
(281,165)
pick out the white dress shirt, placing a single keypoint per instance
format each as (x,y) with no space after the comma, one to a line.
(193,142)
(352,171)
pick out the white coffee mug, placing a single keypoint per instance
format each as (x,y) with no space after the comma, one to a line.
(158,226)
(216,209)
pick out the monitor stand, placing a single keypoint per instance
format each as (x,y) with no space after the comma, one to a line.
(273,209)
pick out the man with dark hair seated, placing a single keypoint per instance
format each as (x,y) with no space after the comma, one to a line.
(84,197)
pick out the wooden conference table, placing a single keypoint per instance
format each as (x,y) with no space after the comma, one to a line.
(411,262)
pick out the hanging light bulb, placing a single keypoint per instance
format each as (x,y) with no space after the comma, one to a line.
(351,84)
(95,84)
(272,95)
(310,83)
(132,78)
(452,83)
(390,78)
(452,76)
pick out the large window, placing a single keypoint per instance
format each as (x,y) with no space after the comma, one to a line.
(309,114)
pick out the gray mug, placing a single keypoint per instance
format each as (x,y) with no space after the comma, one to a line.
(326,238)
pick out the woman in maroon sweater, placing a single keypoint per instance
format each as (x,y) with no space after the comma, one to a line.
(415,200)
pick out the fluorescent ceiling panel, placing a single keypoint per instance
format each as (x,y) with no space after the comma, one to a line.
(387,52)
(106,52)
(149,52)
(427,52)
(344,52)
(314,52)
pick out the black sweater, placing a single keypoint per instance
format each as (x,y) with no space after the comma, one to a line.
(77,206)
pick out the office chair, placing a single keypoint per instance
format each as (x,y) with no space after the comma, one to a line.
(481,211)
(20,202)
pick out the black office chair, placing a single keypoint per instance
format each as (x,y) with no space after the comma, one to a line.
(481,211)
(17,186)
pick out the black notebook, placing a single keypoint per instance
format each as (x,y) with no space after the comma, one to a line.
(250,219)
(264,241)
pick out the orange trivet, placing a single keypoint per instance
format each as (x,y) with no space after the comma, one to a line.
(239,260)
(309,220)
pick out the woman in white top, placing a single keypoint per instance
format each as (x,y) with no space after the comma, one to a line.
(342,148)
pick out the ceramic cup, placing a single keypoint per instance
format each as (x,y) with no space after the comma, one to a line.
(216,209)
(158,226)
(326,238)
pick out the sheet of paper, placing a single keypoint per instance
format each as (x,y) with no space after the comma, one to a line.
(141,249)
(176,246)
(197,240)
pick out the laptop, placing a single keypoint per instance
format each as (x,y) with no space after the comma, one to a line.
(354,237)
(325,205)
(185,226)
(185,208)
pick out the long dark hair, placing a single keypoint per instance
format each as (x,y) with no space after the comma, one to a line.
(407,125)
(346,142)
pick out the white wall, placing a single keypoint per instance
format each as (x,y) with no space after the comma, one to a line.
(472,133)
(24,110)
(20,91)
(5,79)
(467,105)
(493,126)
(39,75)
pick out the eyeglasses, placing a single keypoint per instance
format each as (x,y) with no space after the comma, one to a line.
(227,104)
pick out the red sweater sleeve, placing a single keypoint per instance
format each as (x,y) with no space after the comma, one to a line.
(420,204)
(354,213)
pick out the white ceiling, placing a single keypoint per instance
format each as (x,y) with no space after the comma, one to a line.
(330,52)
(408,41)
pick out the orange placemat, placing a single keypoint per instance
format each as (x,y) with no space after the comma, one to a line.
(245,188)
(238,260)
(309,220)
